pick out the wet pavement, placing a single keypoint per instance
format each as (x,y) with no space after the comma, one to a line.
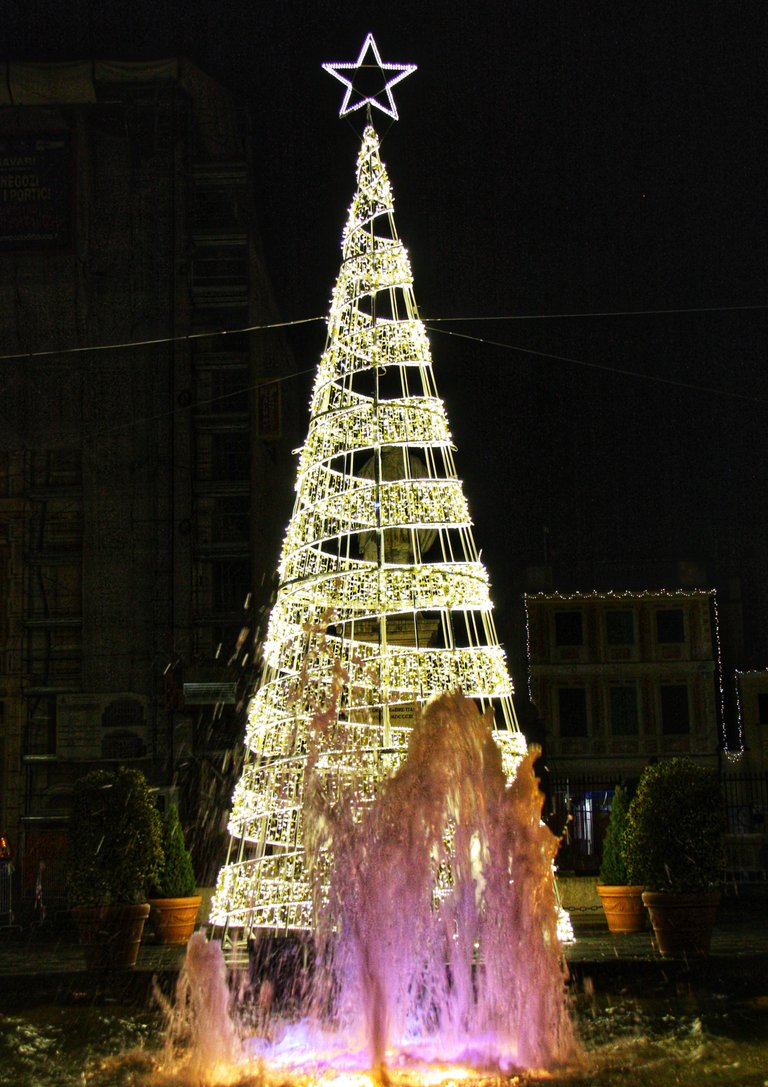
(737,965)
(46,967)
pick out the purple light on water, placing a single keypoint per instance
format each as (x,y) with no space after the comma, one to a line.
(436,937)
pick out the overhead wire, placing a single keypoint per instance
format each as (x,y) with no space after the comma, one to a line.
(157,340)
(605,313)
(212,333)
(604,367)
(431,324)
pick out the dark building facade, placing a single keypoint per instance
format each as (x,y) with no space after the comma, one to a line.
(137,454)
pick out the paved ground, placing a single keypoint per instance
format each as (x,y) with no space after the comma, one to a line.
(737,964)
(49,967)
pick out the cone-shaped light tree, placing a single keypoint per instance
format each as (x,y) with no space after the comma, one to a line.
(382,600)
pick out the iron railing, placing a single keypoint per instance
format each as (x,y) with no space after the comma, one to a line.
(578,806)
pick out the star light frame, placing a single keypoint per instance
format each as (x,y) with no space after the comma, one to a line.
(402,70)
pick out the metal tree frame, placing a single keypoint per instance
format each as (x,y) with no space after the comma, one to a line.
(382,601)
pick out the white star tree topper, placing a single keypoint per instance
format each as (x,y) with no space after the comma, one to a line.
(399,72)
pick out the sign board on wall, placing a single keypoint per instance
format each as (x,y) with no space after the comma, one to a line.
(35,191)
(268,411)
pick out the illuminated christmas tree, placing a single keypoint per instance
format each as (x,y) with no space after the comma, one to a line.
(382,600)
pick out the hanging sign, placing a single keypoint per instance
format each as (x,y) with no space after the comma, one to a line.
(268,411)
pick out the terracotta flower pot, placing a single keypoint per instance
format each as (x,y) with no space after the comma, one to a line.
(623,907)
(174,919)
(110,935)
(682,923)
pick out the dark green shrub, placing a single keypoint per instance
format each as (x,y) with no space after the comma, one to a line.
(613,867)
(176,878)
(675,827)
(115,839)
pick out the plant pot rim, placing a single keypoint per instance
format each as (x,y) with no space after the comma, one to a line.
(102,906)
(620,888)
(158,901)
(680,898)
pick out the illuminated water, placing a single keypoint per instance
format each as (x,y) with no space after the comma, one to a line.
(665,1043)
(438,937)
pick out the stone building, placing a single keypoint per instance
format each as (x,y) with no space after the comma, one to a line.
(624,677)
(618,679)
(137,455)
(752,709)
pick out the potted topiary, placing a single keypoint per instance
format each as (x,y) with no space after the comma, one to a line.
(174,904)
(115,851)
(621,900)
(674,845)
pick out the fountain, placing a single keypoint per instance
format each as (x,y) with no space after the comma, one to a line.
(435,960)
(436,936)
(438,932)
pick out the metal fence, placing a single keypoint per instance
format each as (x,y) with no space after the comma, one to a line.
(578,807)
(746,802)
(7,914)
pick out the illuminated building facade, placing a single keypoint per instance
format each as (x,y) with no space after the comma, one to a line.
(752,710)
(623,677)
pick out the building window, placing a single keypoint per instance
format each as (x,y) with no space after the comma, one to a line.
(568,628)
(620,627)
(675,712)
(54,656)
(762,707)
(230,520)
(56,468)
(231,585)
(670,626)
(55,590)
(572,709)
(40,738)
(623,710)
(228,391)
(219,266)
(230,455)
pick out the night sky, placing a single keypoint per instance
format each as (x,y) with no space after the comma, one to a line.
(551,159)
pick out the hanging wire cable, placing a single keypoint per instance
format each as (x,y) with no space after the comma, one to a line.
(431,324)
(601,366)
(605,313)
(189,336)
(158,340)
